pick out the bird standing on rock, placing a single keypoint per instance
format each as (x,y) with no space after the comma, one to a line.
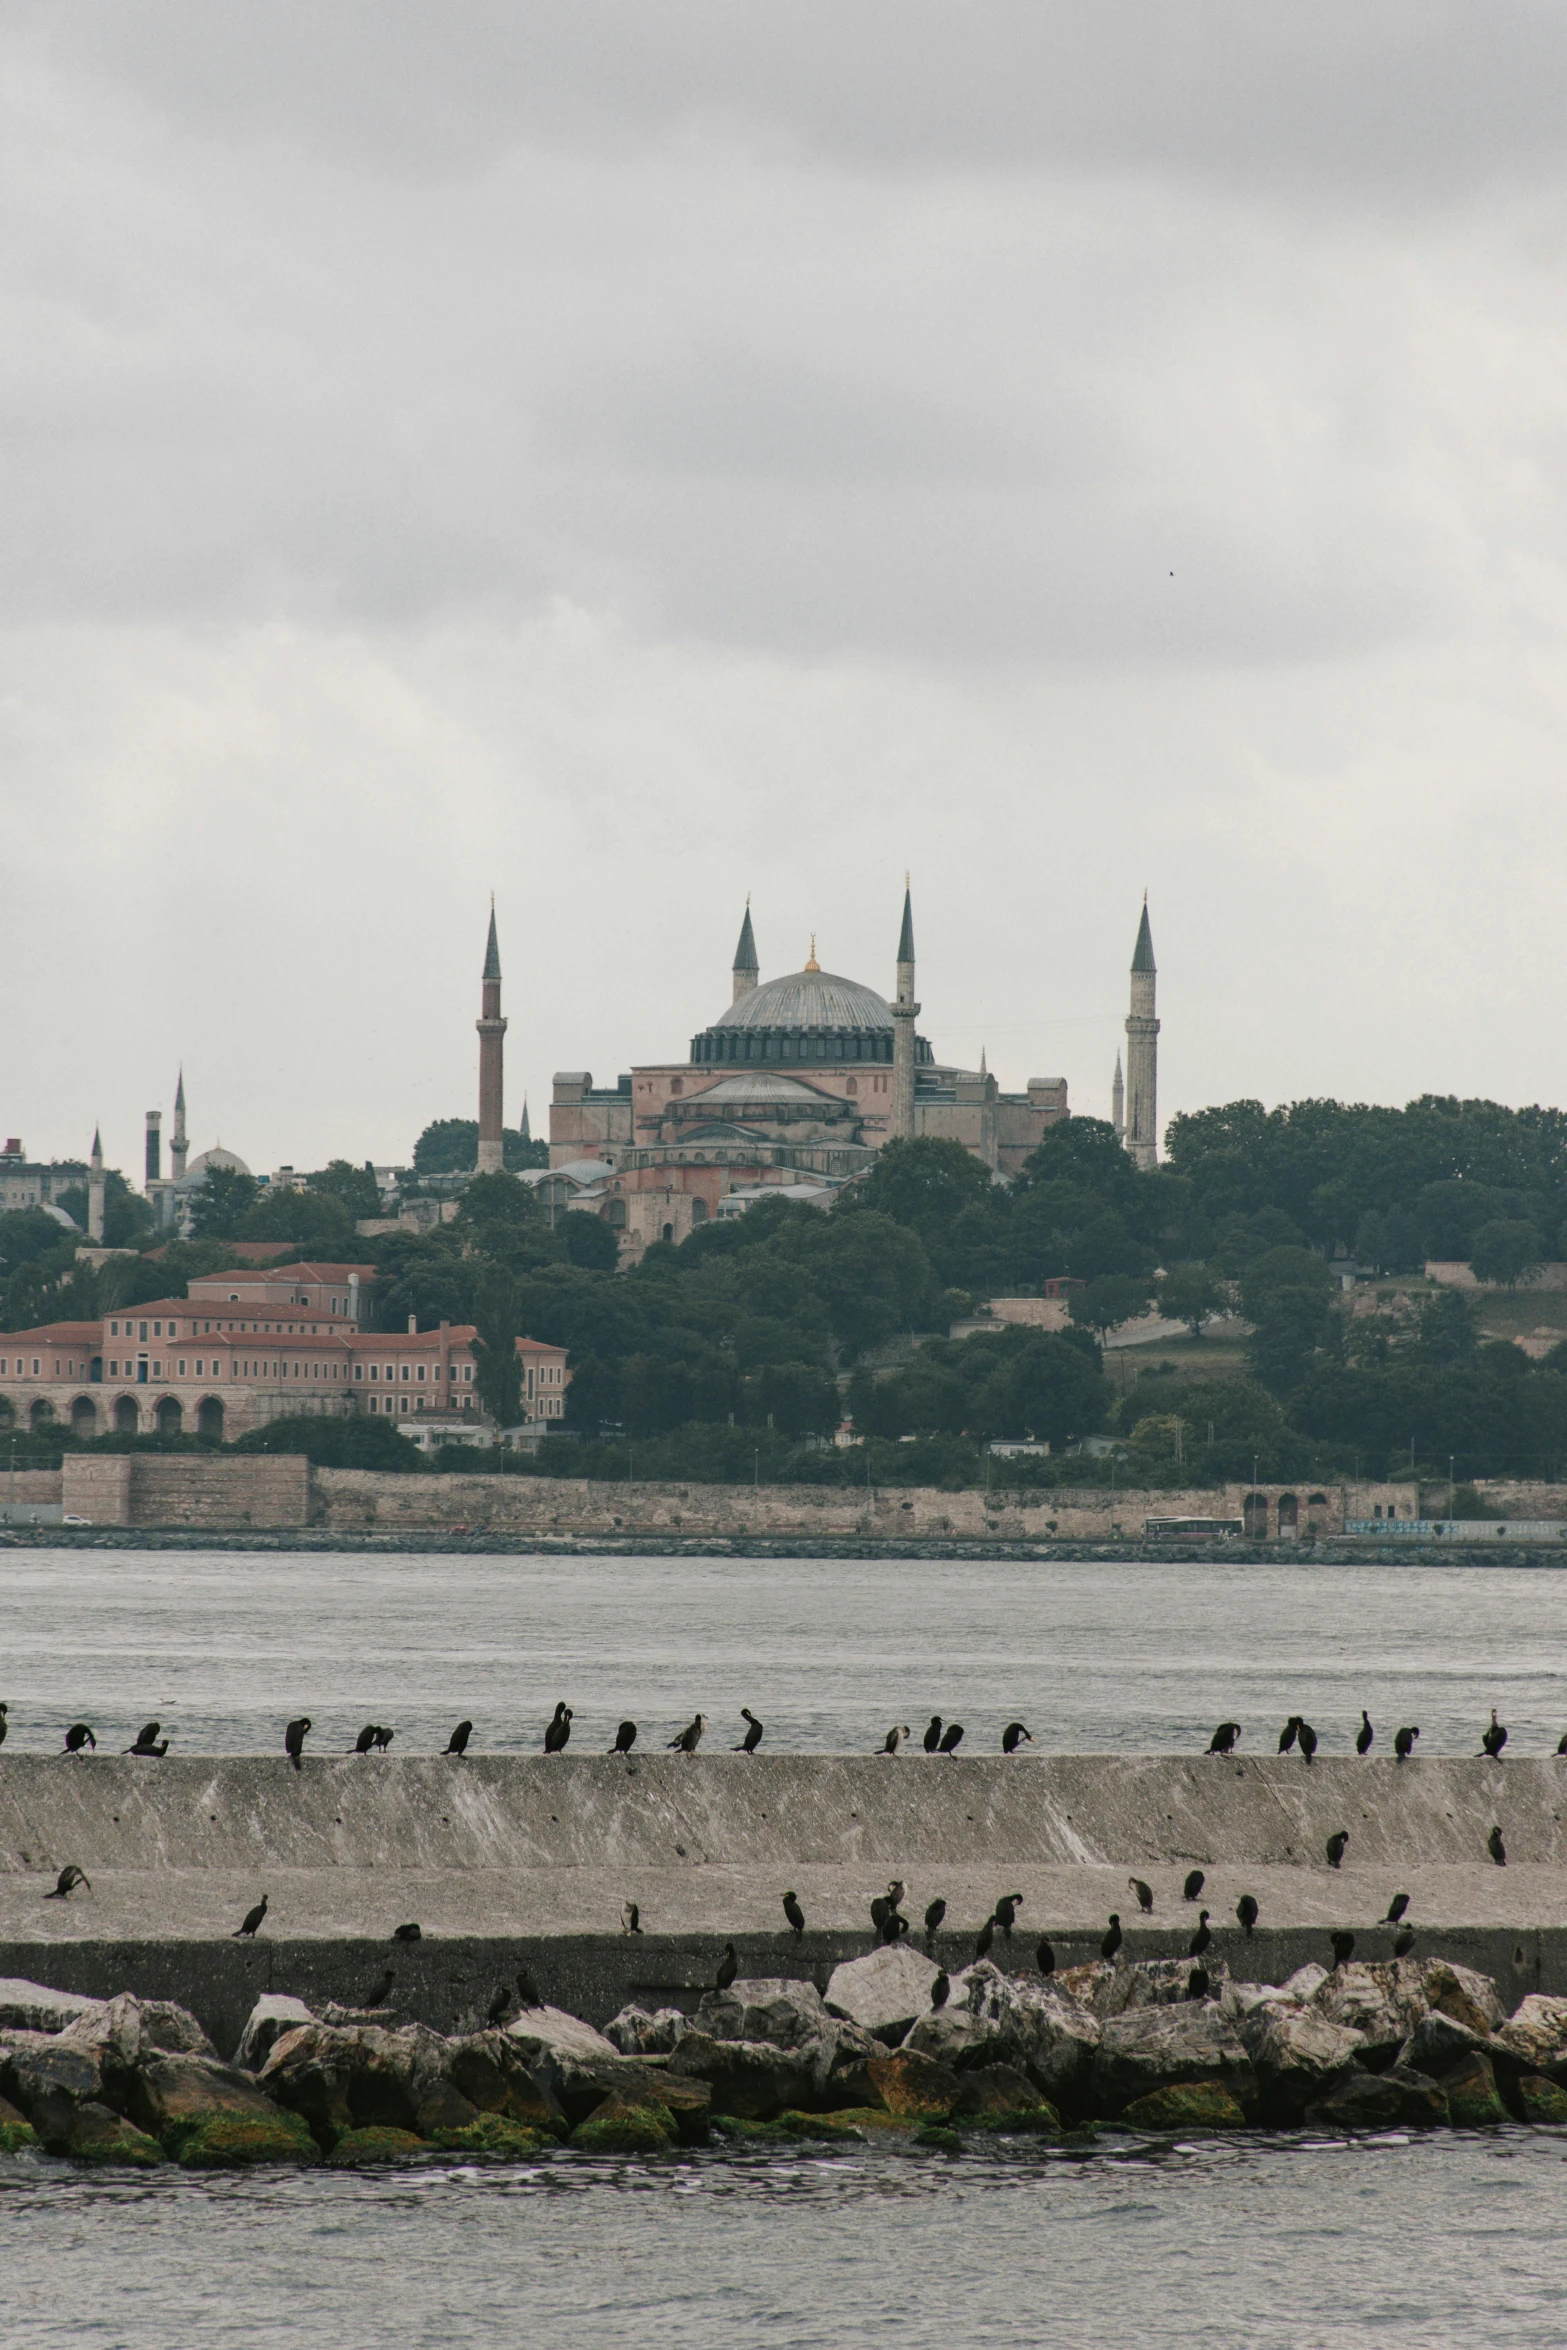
(1224,1738)
(1246,1911)
(294,1739)
(894,1738)
(1364,1734)
(934,1913)
(933,1734)
(1494,1739)
(1396,1908)
(1343,1944)
(1496,1848)
(1144,1895)
(1005,1912)
(457,1743)
(1112,1940)
(1335,1846)
(1015,1735)
(558,1730)
(753,1737)
(528,1990)
(625,1738)
(984,1938)
(500,2006)
(1195,1881)
(250,1921)
(1045,1957)
(939,1989)
(78,1736)
(690,1737)
(794,1913)
(66,1883)
(952,1738)
(148,1743)
(1197,1985)
(1404,1743)
(630,1918)
(728,1968)
(1201,1939)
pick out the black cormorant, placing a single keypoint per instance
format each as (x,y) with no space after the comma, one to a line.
(251,1921)
(1224,1737)
(894,1925)
(1561,1743)
(935,1911)
(67,1881)
(794,1913)
(383,1737)
(294,1739)
(933,1734)
(630,1918)
(148,1743)
(1396,1908)
(1197,1985)
(1112,1940)
(728,1968)
(5,1709)
(625,1738)
(365,1739)
(558,1729)
(1287,1734)
(380,1992)
(894,1738)
(753,1737)
(528,1990)
(940,1986)
(1343,1944)
(1494,1739)
(1014,1736)
(1201,1939)
(1195,1881)
(1365,1734)
(1496,1848)
(408,1933)
(457,1743)
(1404,1943)
(1246,1911)
(984,1938)
(1404,1743)
(500,2005)
(690,1737)
(1005,1912)
(1335,1846)
(78,1736)
(1045,1957)
(952,1738)
(1306,1738)
(1144,1895)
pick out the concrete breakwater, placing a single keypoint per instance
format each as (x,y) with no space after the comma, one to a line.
(501,1856)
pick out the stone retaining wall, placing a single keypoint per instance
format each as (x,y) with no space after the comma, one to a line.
(187,1489)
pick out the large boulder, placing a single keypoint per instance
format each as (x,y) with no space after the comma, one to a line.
(1185,2105)
(752,2079)
(1157,2047)
(32,2007)
(1383,2001)
(1470,2089)
(366,2079)
(885,1992)
(1539,2100)
(779,2009)
(1028,2021)
(98,2134)
(1152,1982)
(638,2032)
(622,2125)
(210,2115)
(16,2131)
(1297,2055)
(915,2087)
(1457,1991)
(1536,2035)
(550,2032)
(1437,2043)
(125,2031)
(49,2082)
(273,2015)
(490,2071)
(1397,2099)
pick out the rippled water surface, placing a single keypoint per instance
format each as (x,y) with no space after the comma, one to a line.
(1251,2244)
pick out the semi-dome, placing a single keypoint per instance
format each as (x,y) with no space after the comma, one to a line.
(809,999)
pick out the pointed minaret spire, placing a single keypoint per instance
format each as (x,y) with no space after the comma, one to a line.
(1142,953)
(747,971)
(492,1030)
(179,1145)
(1142,1052)
(906,935)
(526,1130)
(984,1072)
(492,951)
(904,1013)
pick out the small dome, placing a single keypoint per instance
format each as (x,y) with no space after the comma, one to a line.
(196,1173)
(809,999)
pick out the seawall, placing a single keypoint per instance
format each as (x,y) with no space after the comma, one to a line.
(506,1857)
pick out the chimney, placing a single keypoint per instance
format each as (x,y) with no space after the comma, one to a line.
(413,1325)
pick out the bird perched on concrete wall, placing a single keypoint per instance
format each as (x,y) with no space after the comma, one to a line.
(251,1921)
(1404,1743)
(728,1968)
(933,1734)
(500,2006)
(380,1990)
(753,1737)
(408,1933)
(5,1709)
(1288,1733)
(630,1918)
(1496,1848)
(66,1883)
(148,1743)
(1494,1739)
(1246,1911)
(1224,1738)
(625,1738)
(1005,1912)
(1365,1734)
(1045,1957)
(690,1737)
(559,1730)
(1144,1894)
(952,1738)
(1396,1908)
(894,1738)
(794,1913)
(382,1738)
(1343,1944)
(935,1911)
(1335,1846)
(78,1736)
(365,1739)
(984,1938)
(1014,1736)
(1404,1943)
(294,1739)
(457,1743)
(1195,1881)
(1112,1940)
(1306,1740)
(1201,1939)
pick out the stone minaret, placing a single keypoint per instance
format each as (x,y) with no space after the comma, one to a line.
(492,1028)
(179,1147)
(95,1190)
(1118,1102)
(904,1013)
(153,1163)
(1142,1053)
(747,969)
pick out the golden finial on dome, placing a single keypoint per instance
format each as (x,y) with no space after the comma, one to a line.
(811,964)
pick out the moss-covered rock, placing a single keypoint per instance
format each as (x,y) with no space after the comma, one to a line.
(1472,2101)
(1033,2121)
(915,2086)
(620,2126)
(97,2135)
(1542,2100)
(497,2136)
(1185,2105)
(229,2141)
(737,2130)
(16,2131)
(939,2138)
(357,2149)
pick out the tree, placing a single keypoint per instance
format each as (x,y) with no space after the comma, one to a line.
(222,1203)
(1192,1294)
(1448,1333)
(355,1187)
(1044,1386)
(589,1242)
(310,1219)
(450,1146)
(497,1368)
(1107,1302)
(1507,1251)
(1285,1296)
(926,1183)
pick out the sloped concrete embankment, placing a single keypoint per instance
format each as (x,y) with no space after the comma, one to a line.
(504,1856)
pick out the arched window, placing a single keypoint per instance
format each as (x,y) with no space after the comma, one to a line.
(853,1085)
(676,1085)
(699,1211)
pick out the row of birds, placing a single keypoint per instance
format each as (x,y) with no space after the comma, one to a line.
(1298,1735)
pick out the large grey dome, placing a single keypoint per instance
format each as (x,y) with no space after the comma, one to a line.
(809,999)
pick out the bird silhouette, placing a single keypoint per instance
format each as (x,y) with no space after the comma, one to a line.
(1195,1881)
(690,1737)
(1404,1943)
(528,1990)
(1335,1846)
(67,1881)
(1396,1908)
(1561,1743)
(1005,1912)
(1287,1734)
(1224,1738)
(794,1913)
(952,1738)
(457,1743)
(1014,1736)
(383,1737)
(381,1990)
(728,1968)
(625,1738)
(558,1730)
(1306,1739)
(250,1921)
(500,2005)
(940,1986)
(147,1741)
(984,1938)
(1404,1743)
(1365,1734)
(1197,1984)
(1144,1894)
(1343,1944)
(1112,1940)
(630,1918)
(78,1736)
(894,1738)
(933,1734)
(294,1739)
(1045,1957)
(5,1709)
(1246,1911)
(894,1925)
(1496,1848)
(365,1739)
(753,1737)
(1201,1939)
(1494,1739)
(408,1933)
(934,1913)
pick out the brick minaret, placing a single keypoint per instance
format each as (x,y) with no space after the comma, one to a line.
(1142,1053)
(747,970)
(492,1028)
(904,1013)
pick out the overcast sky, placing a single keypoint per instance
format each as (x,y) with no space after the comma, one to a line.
(626,456)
